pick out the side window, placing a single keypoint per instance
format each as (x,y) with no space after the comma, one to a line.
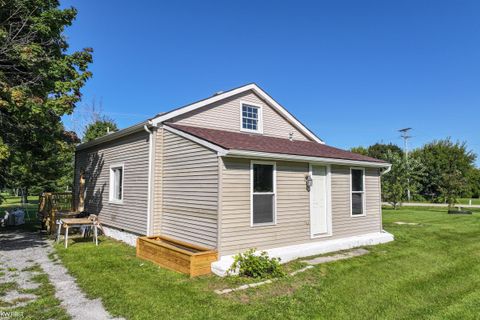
(357,177)
(251,118)
(263,193)
(116,183)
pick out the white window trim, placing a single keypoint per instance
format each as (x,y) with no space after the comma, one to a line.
(364,207)
(260,117)
(252,162)
(111,199)
(329,201)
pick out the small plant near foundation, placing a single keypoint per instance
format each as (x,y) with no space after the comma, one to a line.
(256,265)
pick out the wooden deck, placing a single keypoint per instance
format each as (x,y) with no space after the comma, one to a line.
(53,206)
(176,255)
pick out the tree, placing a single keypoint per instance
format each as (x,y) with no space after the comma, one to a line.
(99,128)
(378,150)
(360,150)
(447,166)
(403,175)
(39,83)
(473,181)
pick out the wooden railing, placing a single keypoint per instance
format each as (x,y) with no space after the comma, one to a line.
(53,204)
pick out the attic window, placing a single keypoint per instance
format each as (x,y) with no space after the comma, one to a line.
(251,118)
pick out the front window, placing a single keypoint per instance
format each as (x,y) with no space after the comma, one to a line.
(358,192)
(116,183)
(251,118)
(263,193)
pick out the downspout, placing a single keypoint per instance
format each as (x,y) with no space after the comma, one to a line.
(386,170)
(150,177)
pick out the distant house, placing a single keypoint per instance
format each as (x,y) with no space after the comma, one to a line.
(232,172)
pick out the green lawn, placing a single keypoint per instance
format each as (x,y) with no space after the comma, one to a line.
(431,271)
(11,202)
(475,201)
(466,201)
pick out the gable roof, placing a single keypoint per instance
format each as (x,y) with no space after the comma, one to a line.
(235,141)
(218,97)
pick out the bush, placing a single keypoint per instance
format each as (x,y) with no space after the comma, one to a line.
(249,264)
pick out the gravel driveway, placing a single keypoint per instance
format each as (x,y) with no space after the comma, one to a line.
(21,256)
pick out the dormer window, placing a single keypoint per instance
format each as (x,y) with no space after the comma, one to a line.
(251,118)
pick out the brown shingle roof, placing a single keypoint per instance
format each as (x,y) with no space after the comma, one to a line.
(260,143)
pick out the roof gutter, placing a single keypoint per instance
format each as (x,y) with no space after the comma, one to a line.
(291,157)
(112,136)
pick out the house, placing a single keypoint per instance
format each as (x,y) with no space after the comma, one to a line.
(233,171)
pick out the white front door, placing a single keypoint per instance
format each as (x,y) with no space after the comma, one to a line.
(318,201)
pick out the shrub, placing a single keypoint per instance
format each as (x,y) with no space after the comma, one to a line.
(250,264)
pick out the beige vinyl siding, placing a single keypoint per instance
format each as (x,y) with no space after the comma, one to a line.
(225,115)
(132,151)
(293,207)
(190,191)
(343,224)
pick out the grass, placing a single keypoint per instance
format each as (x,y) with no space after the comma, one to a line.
(466,201)
(431,271)
(46,306)
(11,202)
(475,201)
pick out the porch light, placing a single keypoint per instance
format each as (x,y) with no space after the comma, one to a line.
(308,181)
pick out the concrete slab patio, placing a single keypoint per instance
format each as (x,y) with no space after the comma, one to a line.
(335,257)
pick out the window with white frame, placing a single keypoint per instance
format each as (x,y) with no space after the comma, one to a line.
(251,118)
(263,193)
(116,183)
(357,191)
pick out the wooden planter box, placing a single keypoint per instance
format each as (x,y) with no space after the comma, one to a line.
(176,255)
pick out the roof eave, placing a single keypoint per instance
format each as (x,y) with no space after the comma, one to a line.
(236,153)
(113,136)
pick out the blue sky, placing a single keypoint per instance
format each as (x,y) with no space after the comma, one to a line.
(352,71)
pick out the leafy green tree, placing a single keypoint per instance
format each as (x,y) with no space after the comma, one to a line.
(51,172)
(403,175)
(39,83)
(378,150)
(447,166)
(99,128)
(473,189)
(360,150)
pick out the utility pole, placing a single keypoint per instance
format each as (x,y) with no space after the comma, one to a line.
(405,137)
